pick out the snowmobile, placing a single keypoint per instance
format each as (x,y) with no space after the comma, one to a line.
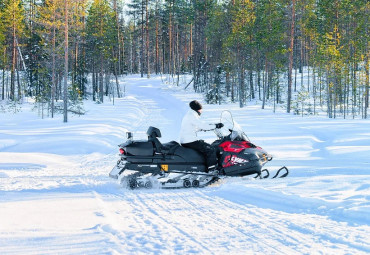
(148,163)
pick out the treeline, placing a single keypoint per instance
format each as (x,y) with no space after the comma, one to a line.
(306,56)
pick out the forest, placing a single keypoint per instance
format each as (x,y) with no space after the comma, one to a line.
(304,56)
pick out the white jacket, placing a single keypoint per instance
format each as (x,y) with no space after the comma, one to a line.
(190,125)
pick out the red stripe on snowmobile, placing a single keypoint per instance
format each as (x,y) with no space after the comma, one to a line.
(237,146)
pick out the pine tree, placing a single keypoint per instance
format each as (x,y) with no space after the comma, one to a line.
(101,39)
(50,27)
(241,38)
(14,23)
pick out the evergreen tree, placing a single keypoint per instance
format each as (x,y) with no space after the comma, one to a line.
(234,48)
(14,24)
(241,40)
(101,39)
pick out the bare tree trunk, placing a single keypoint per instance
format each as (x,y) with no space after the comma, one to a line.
(291,58)
(118,37)
(19,83)
(170,40)
(264,84)
(12,73)
(93,82)
(227,83)
(101,80)
(3,82)
(177,55)
(65,90)
(367,84)
(142,40)
(233,89)
(191,40)
(117,83)
(241,87)
(133,46)
(53,67)
(251,87)
(314,89)
(147,40)
(156,40)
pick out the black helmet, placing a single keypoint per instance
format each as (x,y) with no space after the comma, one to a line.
(195,105)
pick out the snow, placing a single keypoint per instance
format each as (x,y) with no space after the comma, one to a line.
(56,196)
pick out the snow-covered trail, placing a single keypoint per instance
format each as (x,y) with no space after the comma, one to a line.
(56,197)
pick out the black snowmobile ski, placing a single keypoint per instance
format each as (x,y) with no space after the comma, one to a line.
(265,174)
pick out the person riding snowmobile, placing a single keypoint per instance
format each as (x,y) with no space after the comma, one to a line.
(190,125)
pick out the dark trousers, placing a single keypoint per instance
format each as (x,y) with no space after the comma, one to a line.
(206,149)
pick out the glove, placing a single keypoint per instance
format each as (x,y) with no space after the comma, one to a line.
(219,125)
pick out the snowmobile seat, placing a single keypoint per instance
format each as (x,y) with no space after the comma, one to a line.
(170,147)
(156,143)
(166,148)
(153,133)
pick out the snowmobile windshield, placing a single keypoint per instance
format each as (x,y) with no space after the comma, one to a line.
(237,133)
(231,127)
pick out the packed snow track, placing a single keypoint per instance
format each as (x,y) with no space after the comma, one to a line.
(56,196)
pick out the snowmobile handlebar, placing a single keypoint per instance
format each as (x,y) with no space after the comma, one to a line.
(217,126)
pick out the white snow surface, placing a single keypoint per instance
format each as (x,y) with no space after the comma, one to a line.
(56,196)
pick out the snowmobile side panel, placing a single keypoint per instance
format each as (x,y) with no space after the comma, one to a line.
(144,167)
(189,155)
(139,159)
(253,167)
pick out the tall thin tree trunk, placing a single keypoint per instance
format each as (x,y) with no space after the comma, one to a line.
(291,57)
(142,40)
(191,40)
(156,40)
(3,82)
(118,37)
(241,86)
(264,84)
(116,77)
(233,88)
(93,81)
(177,55)
(170,40)
(65,90)
(53,85)
(19,82)
(367,84)
(147,40)
(251,87)
(101,80)
(12,73)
